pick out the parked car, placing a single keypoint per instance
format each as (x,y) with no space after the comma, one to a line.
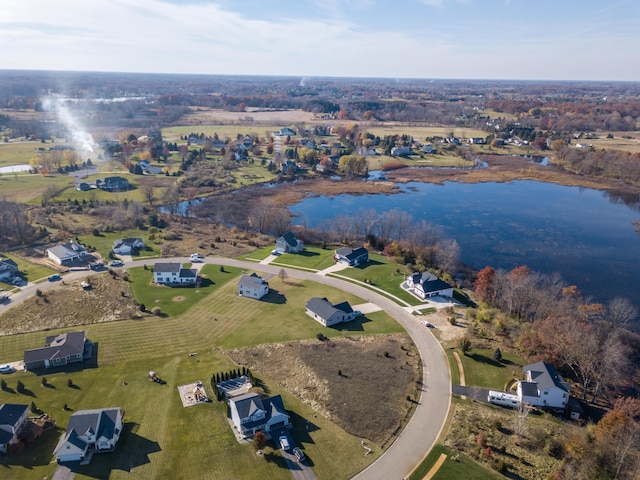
(284,442)
(196,257)
(16,281)
(299,455)
(6,369)
(55,277)
(116,263)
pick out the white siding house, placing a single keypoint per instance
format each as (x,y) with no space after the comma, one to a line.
(174,274)
(13,422)
(124,246)
(67,252)
(543,387)
(249,414)
(288,243)
(425,285)
(252,286)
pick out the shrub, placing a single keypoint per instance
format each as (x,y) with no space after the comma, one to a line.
(44,381)
(496,423)
(156,310)
(464,344)
(142,307)
(321,337)
(70,383)
(452,320)
(38,292)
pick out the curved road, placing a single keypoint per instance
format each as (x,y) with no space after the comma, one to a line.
(422,431)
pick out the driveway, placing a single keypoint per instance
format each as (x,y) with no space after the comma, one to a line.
(476,393)
(424,427)
(299,470)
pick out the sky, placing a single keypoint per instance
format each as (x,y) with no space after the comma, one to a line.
(451,39)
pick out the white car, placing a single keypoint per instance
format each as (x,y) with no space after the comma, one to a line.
(196,257)
(116,263)
(6,368)
(284,442)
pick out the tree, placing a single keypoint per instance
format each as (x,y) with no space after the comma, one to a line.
(282,274)
(351,165)
(497,355)
(464,344)
(149,193)
(485,285)
(259,440)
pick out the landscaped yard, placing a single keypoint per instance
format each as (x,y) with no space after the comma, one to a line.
(382,273)
(481,370)
(312,258)
(104,242)
(457,466)
(31,271)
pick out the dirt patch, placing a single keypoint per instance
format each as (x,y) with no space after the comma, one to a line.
(68,305)
(179,298)
(360,383)
(445,332)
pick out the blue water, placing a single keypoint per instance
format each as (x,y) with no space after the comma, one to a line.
(579,233)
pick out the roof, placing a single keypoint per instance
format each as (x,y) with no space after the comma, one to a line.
(127,241)
(290,238)
(101,422)
(167,267)
(8,264)
(274,405)
(115,180)
(57,346)
(529,389)
(252,280)
(65,249)
(188,273)
(247,404)
(429,282)
(324,309)
(352,254)
(545,376)
(10,413)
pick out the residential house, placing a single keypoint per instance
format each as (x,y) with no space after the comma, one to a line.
(543,387)
(113,184)
(288,243)
(250,414)
(59,350)
(252,286)
(366,151)
(285,132)
(401,151)
(83,186)
(426,285)
(327,314)
(67,253)
(476,141)
(352,257)
(89,431)
(8,268)
(428,148)
(174,274)
(14,420)
(125,246)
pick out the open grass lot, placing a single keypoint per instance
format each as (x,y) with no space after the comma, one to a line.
(223,131)
(30,271)
(258,254)
(462,467)
(631,145)
(20,152)
(104,242)
(313,258)
(381,273)
(161,437)
(28,188)
(421,133)
(134,193)
(481,370)
(176,300)
(444,159)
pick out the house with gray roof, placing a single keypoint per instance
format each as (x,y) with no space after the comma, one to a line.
(14,420)
(426,284)
(543,387)
(352,257)
(288,243)
(174,274)
(249,414)
(252,286)
(124,246)
(328,314)
(88,432)
(59,350)
(8,268)
(67,253)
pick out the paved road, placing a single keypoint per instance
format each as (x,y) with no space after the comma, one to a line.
(422,431)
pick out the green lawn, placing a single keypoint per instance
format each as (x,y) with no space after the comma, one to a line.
(17,153)
(177,300)
(481,370)
(30,271)
(258,254)
(382,273)
(161,437)
(28,188)
(313,258)
(462,467)
(104,241)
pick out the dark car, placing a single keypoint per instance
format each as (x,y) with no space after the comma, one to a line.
(299,454)
(55,277)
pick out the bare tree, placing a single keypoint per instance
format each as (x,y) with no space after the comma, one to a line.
(171,199)
(522,412)
(148,193)
(282,274)
(620,312)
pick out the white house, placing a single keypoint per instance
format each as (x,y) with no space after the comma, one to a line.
(543,387)
(352,257)
(67,252)
(125,246)
(288,243)
(89,431)
(401,151)
(14,420)
(252,286)
(250,413)
(8,268)
(426,285)
(174,274)
(323,312)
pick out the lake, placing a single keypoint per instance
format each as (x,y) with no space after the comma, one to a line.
(583,234)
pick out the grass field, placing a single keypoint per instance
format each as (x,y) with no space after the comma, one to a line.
(313,257)
(481,370)
(104,242)
(18,153)
(27,188)
(421,133)
(30,271)
(381,273)
(462,467)
(161,437)
(223,131)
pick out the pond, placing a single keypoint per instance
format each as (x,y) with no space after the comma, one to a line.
(585,235)
(15,168)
